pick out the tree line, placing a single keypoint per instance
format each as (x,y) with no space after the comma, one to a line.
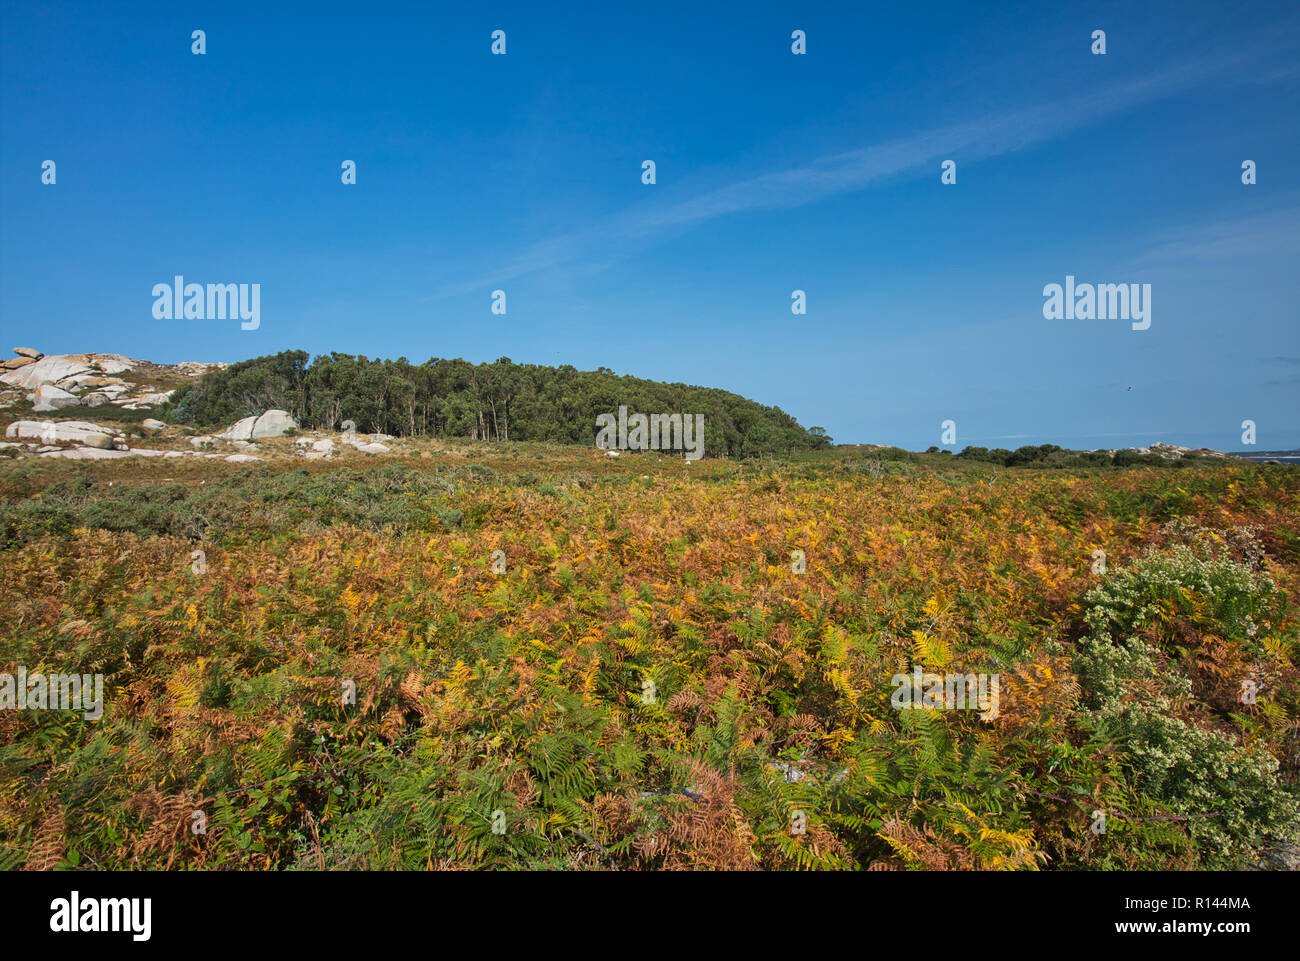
(501,400)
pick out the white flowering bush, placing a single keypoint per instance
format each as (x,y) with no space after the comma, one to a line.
(1226,596)
(1228,796)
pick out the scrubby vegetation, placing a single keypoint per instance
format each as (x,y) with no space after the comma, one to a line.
(1051,456)
(497,401)
(666,665)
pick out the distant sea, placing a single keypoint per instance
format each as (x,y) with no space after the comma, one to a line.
(1285,456)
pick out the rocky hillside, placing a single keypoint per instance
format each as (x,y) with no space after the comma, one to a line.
(1172,451)
(57,381)
(101,387)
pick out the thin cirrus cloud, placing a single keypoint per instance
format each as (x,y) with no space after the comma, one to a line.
(983,139)
(1136,433)
(1255,236)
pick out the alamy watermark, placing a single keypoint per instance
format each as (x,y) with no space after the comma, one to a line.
(946,692)
(684,432)
(74,914)
(53,692)
(181,301)
(1098,302)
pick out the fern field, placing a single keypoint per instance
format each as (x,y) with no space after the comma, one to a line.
(537,659)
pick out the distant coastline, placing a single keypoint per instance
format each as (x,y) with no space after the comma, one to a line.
(1285,456)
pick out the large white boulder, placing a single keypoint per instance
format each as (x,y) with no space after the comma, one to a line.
(372,448)
(152,426)
(273,423)
(49,397)
(34,428)
(67,432)
(155,400)
(87,453)
(240,430)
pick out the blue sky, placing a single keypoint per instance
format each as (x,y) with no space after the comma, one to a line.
(775,172)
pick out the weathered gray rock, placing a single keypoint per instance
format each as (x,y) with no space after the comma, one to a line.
(325,446)
(87,453)
(91,381)
(37,428)
(48,397)
(47,370)
(110,363)
(372,448)
(88,438)
(273,423)
(193,368)
(241,459)
(240,430)
(29,352)
(1280,857)
(1173,451)
(13,363)
(61,432)
(152,426)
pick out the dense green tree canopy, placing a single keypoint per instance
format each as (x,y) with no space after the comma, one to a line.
(497,401)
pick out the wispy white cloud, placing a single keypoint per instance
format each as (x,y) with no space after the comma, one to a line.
(1135,433)
(829,176)
(1253,236)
